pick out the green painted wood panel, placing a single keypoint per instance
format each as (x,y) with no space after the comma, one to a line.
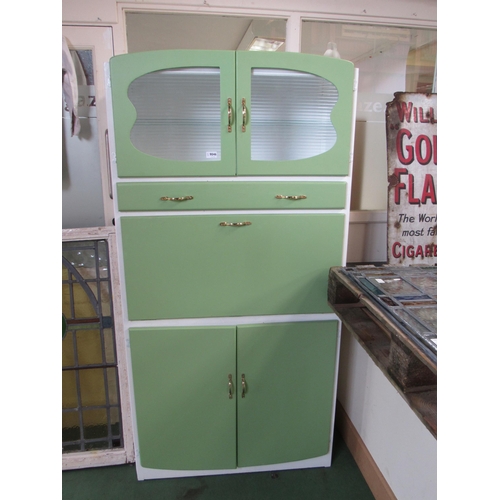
(190,266)
(141,196)
(185,419)
(340,72)
(286,413)
(126,68)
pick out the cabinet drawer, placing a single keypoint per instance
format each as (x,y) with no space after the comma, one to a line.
(173,196)
(192,266)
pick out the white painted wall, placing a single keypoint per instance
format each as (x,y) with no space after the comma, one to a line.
(367,236)
(404,450)
(93,12)
(402,447)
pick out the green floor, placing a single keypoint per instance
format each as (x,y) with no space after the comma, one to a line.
(341,481)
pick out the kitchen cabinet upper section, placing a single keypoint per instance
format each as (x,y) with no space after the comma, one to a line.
(223,113)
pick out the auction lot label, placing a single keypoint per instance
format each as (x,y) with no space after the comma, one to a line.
(411,123)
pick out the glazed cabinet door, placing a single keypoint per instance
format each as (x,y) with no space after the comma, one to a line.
(289,372)
(173,113)
(185,409)
(179,266)
(221,113)
(294,114)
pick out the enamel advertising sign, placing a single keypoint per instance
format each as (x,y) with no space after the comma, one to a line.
(411,122)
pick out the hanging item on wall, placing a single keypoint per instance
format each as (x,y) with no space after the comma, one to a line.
(70,87)
(411,125)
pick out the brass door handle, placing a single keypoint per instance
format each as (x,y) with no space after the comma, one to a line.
(244,387)
(284,197)
(180,198)
(229,114)
(235,224)
(230,386)
(244,115)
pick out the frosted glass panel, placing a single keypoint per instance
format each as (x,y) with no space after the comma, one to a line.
(290,115)
(178,114)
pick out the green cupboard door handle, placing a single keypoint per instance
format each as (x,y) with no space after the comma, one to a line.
(230,386)
(229,114)
(244,387)
(244,115)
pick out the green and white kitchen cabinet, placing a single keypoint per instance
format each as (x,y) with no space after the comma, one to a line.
(231,174)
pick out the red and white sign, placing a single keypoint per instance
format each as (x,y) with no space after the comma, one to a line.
(411,123)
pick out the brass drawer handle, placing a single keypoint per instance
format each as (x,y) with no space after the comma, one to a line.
(180,198)
(244,387)
(284,197)
(230,386)
(235,224)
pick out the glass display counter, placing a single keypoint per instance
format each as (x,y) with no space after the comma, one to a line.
(392,312)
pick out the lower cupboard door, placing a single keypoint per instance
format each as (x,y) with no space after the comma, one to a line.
(185,417)
(289,371)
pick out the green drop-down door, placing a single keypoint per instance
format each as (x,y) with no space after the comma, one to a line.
(229,265)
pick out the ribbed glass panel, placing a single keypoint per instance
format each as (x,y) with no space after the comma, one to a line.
(290,115)
(178,114)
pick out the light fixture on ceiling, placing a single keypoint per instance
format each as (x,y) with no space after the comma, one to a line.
(266,44)
(375,32)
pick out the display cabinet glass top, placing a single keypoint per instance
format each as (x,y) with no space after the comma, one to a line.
(408,294)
